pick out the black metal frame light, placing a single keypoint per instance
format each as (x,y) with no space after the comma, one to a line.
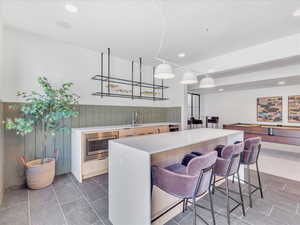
(133,83)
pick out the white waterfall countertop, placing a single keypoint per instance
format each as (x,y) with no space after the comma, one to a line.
(155,143)
(124,126)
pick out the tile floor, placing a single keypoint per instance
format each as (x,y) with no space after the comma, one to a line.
(67,202)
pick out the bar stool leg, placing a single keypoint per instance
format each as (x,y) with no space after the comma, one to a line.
(228,203)
(249,186)
(241,194)
(259,181)
(233,178)
(194,211)
(214,185)
(212,207)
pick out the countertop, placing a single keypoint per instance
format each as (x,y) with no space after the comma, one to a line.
(119,127)
(166,141)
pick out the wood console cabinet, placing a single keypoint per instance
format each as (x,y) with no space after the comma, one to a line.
(277,134)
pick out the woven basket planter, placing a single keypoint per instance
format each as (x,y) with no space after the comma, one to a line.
(40,175)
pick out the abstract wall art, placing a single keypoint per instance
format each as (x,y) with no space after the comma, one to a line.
(269,109)
(294,109)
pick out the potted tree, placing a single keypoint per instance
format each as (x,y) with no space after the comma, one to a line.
(44,111)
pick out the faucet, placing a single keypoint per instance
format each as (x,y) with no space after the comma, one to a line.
(134,119)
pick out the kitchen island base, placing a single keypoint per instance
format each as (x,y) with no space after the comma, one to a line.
(130,160)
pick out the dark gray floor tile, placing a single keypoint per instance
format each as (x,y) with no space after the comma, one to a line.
(262,206)
(67,193)
(75,205)
(102,179)
(17,215)
(285,216)
(92,190)
(222,220)
(47,214)
(85,216)
(101,207)
(283,200)
(293,189)
(14,197)
(62,180)
(256,218)
(42,196)
(171,222)
(180,216)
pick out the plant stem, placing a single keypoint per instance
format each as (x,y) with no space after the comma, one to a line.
(45,141)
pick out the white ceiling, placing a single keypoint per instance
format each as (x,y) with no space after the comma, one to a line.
(290,80)
(132,28)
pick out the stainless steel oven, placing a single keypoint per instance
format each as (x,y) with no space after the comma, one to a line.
(97,144)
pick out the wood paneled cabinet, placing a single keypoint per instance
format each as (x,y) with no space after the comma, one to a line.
(139,131)
(276,134)
(83,168)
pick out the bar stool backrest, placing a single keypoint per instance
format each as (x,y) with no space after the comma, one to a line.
(232,154)
(251,150)
(202,166)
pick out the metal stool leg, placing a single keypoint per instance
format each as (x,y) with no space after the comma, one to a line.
(259,181)
(249,186)
(241,194)
(212,207)
(214,185)
(233,178)
(194,211)
(228,203)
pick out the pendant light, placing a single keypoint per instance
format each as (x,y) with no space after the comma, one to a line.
(163,70)
(207,81)
(189,78)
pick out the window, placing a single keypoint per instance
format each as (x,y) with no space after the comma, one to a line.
(193,106)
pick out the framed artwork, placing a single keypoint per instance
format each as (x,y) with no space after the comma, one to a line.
(294,109)
(269,109)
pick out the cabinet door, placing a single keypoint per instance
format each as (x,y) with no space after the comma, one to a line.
(162,129)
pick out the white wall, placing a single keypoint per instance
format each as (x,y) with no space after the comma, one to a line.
(28,56)
(240,106)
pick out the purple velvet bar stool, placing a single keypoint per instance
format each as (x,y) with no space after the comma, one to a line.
(187,182)
(228,165)
(249,157)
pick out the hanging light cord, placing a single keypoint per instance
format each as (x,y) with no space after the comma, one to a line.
(163,36)
(163,27)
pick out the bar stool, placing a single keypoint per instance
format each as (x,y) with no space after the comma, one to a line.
(187,182)
(249,157)
(227,165)
(214,120)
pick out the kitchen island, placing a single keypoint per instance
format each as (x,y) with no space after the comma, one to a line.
(130,160)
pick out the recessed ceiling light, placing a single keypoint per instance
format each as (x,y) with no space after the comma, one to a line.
(297,13)
(221,89)
(71,8)
(181,55)
(281,83)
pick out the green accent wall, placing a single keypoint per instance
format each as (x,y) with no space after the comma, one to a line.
(1,153)
(89,116)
